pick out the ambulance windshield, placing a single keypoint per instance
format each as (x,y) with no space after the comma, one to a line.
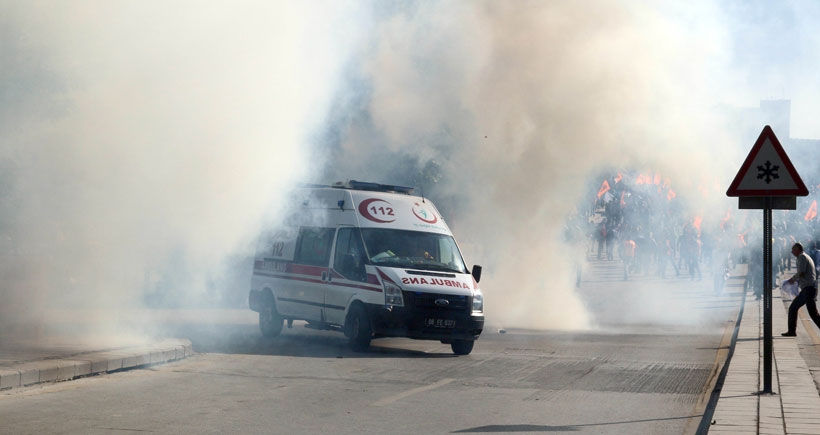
(413,250)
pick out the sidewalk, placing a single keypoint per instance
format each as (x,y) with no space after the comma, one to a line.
(80,343)
(794,405)
(56,358)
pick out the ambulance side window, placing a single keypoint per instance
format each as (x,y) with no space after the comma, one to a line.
(350,259)
(313,247)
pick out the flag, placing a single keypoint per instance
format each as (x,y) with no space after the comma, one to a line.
(726,219)
(812,213)
(604,188)
(642,179)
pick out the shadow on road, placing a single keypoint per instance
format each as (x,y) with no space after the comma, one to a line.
(295,342)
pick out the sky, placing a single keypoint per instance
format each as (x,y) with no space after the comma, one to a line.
(144,144)
(773,55)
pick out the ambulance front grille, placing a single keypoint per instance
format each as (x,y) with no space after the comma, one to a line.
(433,301)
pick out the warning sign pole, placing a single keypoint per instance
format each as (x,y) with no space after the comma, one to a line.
(767,297)
(760,184)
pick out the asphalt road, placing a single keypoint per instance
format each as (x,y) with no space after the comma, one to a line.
(646,368)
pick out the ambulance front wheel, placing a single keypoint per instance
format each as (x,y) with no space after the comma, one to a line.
(359,329)
(462,347)
(270,322)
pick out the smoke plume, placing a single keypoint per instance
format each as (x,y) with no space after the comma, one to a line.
(518,104)
(143,144)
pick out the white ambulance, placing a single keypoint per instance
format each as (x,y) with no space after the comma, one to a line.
(369,260)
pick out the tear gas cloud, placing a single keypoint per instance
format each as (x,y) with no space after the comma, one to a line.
(520,103)
(517,105)
(142,146)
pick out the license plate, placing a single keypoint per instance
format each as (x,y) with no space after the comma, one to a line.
(431,322)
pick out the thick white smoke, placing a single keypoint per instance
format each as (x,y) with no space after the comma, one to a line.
(144,142)
(520,102)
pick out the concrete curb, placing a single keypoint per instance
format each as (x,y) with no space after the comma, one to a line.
(53,370)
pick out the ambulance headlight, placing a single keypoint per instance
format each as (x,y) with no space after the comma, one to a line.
(478,302)
(392,295)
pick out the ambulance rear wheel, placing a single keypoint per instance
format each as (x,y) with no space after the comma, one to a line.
(462,347)
(270,322)
(359,329)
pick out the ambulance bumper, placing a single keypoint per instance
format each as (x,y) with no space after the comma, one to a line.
(425,324)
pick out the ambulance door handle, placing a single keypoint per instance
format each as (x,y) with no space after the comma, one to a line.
(325,276)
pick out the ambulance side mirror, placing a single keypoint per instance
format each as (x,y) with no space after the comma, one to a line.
(476,273)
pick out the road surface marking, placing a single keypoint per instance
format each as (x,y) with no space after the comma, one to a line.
(390,399)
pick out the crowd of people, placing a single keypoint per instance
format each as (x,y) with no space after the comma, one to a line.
(640,222)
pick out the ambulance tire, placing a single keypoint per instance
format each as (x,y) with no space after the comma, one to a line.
(270,321)
(359,329)
(462,347)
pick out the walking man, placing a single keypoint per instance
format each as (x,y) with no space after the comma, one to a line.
(806,277)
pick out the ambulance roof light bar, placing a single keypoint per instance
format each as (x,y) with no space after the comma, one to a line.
(374,187)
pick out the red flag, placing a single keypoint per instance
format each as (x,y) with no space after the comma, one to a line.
(698,221)
(671,194)
(726,219)
(604,188)
(812,213)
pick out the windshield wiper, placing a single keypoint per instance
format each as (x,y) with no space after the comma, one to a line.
(438,267)
(386,260)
